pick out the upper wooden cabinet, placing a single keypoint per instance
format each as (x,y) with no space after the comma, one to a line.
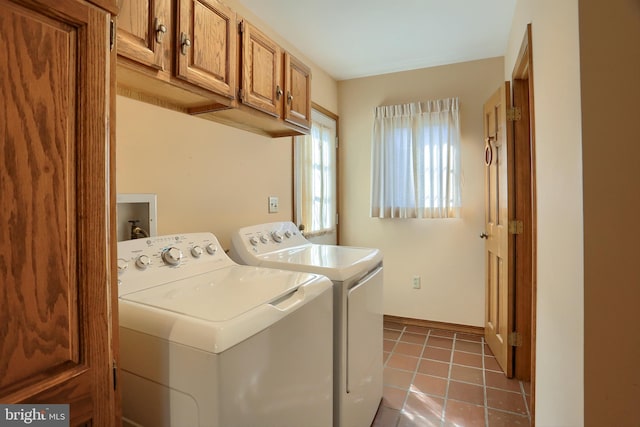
(142,32)
(297,87)
(261,57)
(181,53)
(212,66)
(206,45)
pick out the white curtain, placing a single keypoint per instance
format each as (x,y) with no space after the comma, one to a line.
(415,160)
(316,180)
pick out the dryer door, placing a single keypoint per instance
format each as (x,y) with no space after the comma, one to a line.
(364,341)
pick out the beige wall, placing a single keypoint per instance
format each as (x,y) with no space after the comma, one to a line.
(610,83)
(447,254)
(560,295)
(209,177)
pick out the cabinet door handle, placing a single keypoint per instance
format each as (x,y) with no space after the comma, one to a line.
(161,30)
(289,97)
(278,92)
(185,44)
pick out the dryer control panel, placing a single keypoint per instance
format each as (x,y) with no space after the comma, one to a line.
(151,261)
(265,238)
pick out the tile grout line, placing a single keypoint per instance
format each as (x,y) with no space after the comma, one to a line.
(484,387)
(446,393)
(415,373)
(393,349)
(526,403)
(391,353)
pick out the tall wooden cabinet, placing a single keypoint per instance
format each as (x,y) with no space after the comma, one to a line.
(57,333)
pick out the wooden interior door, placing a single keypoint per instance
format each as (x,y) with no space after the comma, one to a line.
(206,45)
(261,71)
(143,31)
(55,191)
(499,241)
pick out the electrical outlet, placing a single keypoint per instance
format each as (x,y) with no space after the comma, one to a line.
(416,282)
(273,204)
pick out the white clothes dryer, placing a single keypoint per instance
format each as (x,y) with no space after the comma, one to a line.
(206,342)
(356,274)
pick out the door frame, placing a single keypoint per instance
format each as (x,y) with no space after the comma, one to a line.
(525,205)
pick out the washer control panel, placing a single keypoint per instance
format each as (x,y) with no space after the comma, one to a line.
(151,261)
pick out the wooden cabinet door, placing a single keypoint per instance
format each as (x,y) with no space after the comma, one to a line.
(206,45)
(297,87)
(55,191)
(261,71)
(143,31)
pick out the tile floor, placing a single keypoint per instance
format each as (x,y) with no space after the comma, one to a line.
(442,378)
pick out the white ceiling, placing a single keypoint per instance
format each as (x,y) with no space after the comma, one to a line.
(357,38)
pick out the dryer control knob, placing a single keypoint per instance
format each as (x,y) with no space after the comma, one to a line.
(172,256)
(288,234)
(123,264)
(264,239)
(196,251)
(254,241)
(212,249)
(142,262)
(277,236)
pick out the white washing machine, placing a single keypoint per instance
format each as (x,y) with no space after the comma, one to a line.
(356,274)
(206,342)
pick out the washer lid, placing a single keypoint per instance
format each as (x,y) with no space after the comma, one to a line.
(338,263)
(221,295)
(215,311)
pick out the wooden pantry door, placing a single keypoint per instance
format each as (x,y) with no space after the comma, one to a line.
(499,254)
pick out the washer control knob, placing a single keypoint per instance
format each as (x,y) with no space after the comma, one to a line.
(142,262)
(277,236)
(254,241)
(196,251)
(212,249)
(288,234)
(123,264)
(264,239)
(172,256)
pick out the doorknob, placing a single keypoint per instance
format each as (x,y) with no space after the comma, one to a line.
(484,236)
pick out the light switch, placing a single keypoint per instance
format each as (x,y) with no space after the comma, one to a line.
(273,204)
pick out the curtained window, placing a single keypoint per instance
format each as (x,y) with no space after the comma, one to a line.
(415,160)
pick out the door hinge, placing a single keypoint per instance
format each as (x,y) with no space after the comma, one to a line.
(241,27)
(240,93)
(516,227)
(115,375)
(112,35)
(337,218)
(336,142)
(515,339)
(514,114)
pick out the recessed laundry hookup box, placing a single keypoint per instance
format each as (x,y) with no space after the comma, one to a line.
(139,208)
